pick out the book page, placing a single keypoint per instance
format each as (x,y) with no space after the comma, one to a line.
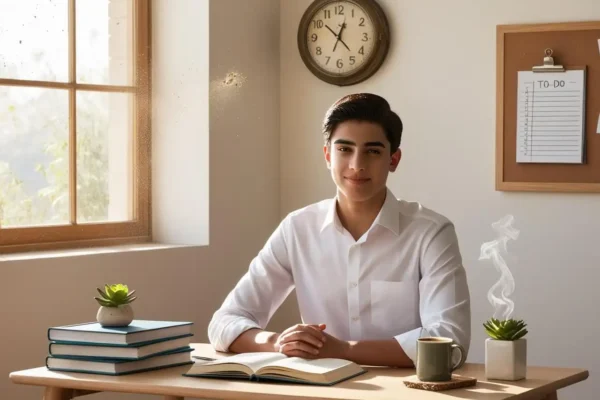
(318,366)
(550,117)
(252,360)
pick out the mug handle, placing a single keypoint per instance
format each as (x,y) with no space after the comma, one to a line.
(463,353)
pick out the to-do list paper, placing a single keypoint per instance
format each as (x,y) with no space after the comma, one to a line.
(550,117)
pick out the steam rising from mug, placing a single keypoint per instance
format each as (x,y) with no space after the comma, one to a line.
(503,306)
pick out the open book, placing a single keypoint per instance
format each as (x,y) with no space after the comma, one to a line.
(277,367)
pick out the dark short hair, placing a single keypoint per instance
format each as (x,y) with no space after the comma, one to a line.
(364,107)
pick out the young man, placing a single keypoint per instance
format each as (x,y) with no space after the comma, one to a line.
(372,273)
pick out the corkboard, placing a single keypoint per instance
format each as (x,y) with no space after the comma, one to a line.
(519,48)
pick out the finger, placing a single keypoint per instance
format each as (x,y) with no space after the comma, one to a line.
(301,346)
(302,337)
(313,329)
(316,331)
(292,328)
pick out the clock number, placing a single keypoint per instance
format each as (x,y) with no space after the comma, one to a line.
(339,63)
(352,60)
(314,37)
(353,13)
(362,50)
(365,36)
(318,24)
(328,58)
(362,22)
(318,51)
(327,14)
(339,10)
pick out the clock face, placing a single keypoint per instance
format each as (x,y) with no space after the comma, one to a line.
(340,37)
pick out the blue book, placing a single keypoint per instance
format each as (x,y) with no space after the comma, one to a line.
(136,332)
(119,367)
(135,351)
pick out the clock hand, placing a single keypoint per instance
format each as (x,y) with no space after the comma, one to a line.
(334,34)
(345,44)
(331,30)
(340,34)
(339,37)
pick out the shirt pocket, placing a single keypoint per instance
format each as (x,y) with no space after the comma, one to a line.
(394,305)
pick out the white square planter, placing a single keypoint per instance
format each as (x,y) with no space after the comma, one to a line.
(506,359)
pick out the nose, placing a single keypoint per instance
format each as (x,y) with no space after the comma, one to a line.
(357,162)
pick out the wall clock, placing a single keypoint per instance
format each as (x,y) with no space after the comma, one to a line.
(343,42)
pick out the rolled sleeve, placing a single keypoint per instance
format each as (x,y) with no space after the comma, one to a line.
(444,302)
(231,326)
(257,295)
(408,342)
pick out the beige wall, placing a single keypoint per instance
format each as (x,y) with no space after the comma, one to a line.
(440,77)
(185,283)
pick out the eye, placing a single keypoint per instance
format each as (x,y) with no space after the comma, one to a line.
(344,149)
(374,151)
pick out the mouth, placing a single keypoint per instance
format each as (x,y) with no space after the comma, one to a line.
(357,181)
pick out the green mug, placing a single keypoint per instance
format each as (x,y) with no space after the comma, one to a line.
(434,358)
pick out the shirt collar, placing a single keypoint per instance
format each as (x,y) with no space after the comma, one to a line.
(388,217)
(332,217)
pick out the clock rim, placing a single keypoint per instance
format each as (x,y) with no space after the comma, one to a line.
(380,47)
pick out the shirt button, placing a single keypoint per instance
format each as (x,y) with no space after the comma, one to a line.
(355,319)
(354,284)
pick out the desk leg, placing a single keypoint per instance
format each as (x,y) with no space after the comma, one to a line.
(56,393)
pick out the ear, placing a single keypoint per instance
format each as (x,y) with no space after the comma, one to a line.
(395,160)
(327,154)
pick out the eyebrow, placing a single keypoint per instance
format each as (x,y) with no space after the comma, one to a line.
(351,143)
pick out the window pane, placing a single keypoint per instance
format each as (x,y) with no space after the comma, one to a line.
(34,39)
(104,41)
(104,157)
(34,160)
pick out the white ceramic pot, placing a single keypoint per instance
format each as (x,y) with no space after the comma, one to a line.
(506,359)
(115,316)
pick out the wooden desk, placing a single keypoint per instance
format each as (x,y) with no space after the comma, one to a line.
(377,384)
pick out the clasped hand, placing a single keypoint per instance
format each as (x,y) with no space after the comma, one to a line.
(311,342)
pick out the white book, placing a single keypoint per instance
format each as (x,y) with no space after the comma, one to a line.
(277,367)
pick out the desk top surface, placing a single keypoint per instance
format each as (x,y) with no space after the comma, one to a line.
(378,383)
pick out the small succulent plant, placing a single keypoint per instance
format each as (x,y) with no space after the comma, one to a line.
(115,295)
(509,329)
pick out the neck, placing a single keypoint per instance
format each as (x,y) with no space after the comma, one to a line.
(358,216)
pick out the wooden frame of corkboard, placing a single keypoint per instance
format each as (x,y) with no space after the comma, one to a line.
(519,48)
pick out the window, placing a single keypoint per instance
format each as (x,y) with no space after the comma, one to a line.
(74,123)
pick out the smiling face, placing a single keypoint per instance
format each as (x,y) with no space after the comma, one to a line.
(359,158)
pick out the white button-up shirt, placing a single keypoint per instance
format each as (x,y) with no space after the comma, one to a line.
(402,279)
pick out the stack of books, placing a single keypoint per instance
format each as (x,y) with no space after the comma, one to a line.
(141,346)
